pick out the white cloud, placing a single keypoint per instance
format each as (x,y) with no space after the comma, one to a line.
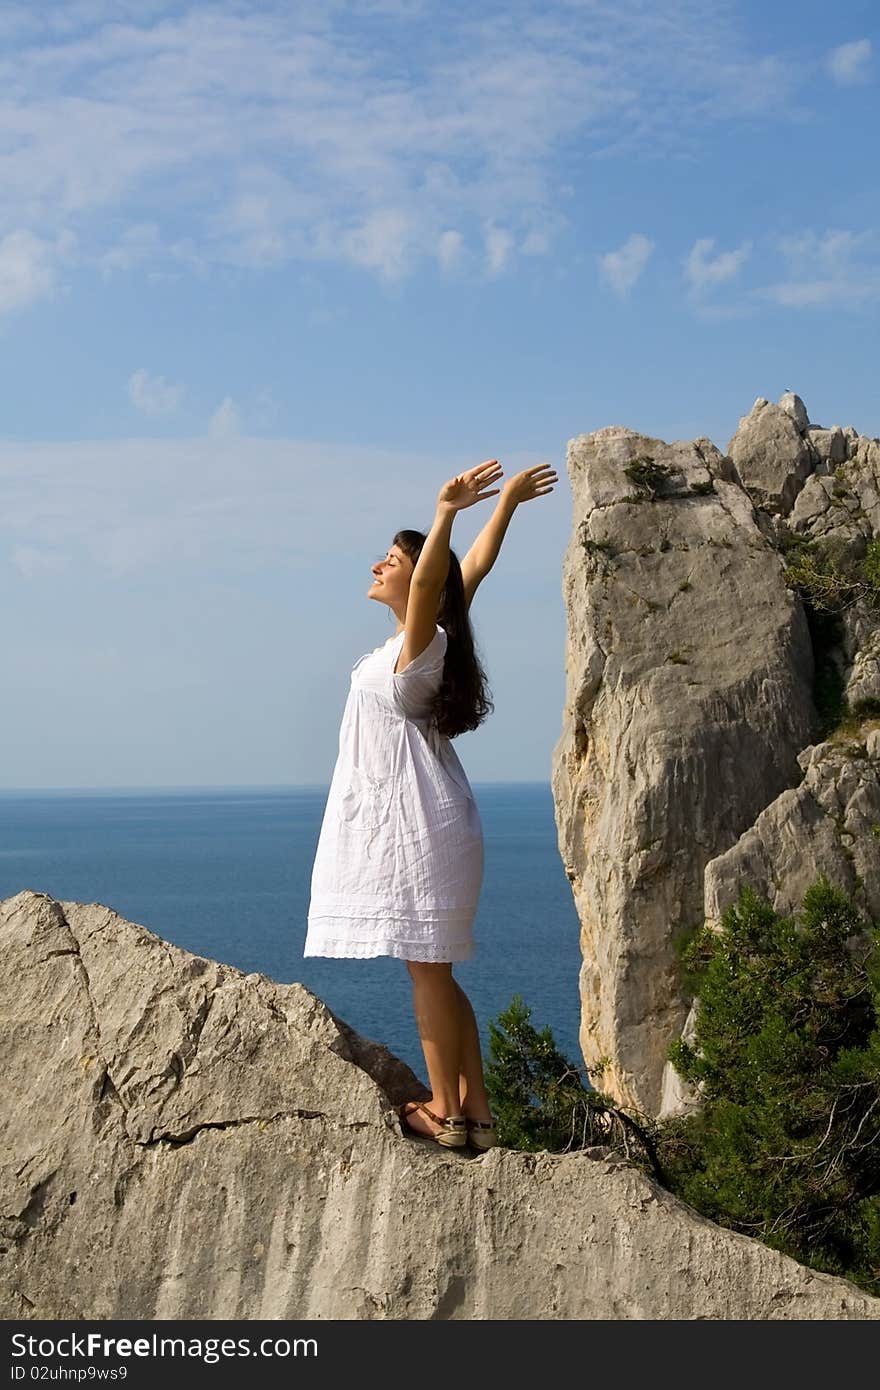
(703,271)
(126,506)
(324,316)
(225,423)
(536,243)
(261,134)
(381,242)
(137,243)
(264,412)
(400,9)
(26,270)
(622,268)
(31,562)
(799,295)
(153,394)
(499,244)
(449,248)
(838,268)
(849,64)
(835,250)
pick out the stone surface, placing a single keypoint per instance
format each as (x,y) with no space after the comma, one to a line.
(830,445)
(180,1140)
(862,478)
(689,725)
(771,455)
(826,822)
(677,1096)
(689,671)
(792,404)
(830,822)
(862,686)
(843,511)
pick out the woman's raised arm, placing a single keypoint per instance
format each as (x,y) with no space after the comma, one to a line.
(432,566)
(532,482)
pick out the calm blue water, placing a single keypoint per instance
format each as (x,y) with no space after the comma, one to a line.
(226,874)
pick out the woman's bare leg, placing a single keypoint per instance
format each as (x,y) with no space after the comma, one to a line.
(451,1045)
(472,1088)
(439,1021)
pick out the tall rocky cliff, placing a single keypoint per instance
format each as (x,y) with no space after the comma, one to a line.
(181,1140)
(691,758)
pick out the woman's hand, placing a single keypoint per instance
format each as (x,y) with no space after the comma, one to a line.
(467,488)
(532,482)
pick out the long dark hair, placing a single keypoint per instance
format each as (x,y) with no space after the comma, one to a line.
(462,702)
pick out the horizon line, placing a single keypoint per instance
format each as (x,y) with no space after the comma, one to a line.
(235,786)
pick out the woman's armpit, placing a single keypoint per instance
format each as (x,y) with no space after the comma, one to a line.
(428,660)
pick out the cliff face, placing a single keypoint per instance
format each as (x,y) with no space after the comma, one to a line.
(686,761)
(181,1140)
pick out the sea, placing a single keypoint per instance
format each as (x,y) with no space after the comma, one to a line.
(225,873)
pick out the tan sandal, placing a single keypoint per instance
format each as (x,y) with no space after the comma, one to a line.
(481,1135)
(453,1130)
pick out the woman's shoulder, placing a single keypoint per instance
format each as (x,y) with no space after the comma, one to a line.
(420,678)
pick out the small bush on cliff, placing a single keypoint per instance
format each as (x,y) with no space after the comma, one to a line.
(828,574)
(786,1144)
(648,475)
(540,1100)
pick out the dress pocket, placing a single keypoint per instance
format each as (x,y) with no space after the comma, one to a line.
(366,801)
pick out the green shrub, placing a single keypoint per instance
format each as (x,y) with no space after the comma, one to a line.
(647,474)
(540,1100)
(786,1143)
(870,568)
(829,576)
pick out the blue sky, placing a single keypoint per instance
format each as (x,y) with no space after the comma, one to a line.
(271,273)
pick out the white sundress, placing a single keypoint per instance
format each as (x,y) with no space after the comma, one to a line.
(399,863)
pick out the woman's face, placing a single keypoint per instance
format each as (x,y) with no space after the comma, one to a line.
(391,577)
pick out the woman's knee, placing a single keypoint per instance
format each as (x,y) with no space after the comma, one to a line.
(429,971)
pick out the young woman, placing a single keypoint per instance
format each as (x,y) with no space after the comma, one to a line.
(399,863)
